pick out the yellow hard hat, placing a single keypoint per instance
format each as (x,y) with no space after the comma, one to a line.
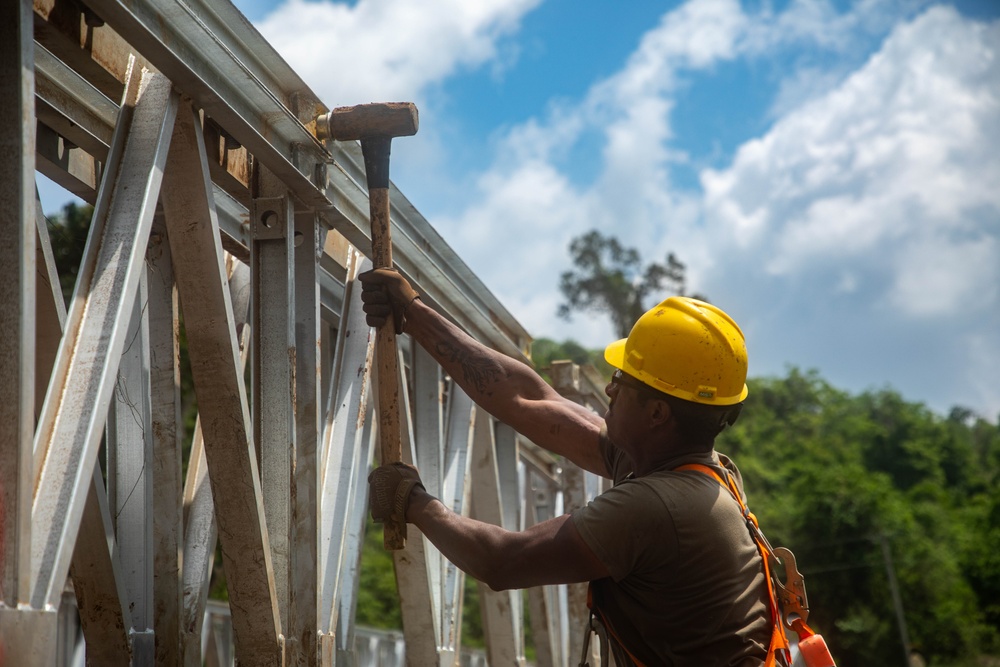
(686,348)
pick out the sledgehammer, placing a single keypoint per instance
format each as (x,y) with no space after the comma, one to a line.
(375,125)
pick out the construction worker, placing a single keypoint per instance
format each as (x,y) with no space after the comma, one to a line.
(675,576)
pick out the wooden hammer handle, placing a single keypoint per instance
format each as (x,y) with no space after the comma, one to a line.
(390,448)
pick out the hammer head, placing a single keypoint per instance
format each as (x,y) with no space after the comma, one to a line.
(366,121)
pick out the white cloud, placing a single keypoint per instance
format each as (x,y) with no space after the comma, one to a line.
(859,231)
(388,49)
(892,169)
(875,190)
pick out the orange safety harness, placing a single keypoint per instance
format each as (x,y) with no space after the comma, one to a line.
(788,603)
(779,641)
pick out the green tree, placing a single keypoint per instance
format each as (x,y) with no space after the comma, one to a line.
(609,278)
(859,486)
(68,234)
(544,351)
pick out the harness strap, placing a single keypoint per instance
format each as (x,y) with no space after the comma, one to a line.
(595,609)
(779,641)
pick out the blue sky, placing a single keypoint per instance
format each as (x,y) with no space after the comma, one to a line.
(829,171)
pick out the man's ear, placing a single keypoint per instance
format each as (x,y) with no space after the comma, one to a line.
(659,412)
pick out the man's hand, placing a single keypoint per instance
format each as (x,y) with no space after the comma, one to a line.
(389,489)
(385,293)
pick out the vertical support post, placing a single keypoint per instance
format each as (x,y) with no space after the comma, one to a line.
(130,484)
(455,491)
(546,603)
(502,611)
(201,532)
(273,364)
(17,293)
(350,570)
(303,614)
(418,565)
(574,495)
(168,526)
(346,455)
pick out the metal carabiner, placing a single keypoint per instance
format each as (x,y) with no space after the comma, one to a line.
(595,627)
(792,592)
(588,631)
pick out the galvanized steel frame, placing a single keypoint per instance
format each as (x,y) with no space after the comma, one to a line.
(181,103)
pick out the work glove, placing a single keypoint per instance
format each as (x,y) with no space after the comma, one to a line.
(389,489)
(385,293)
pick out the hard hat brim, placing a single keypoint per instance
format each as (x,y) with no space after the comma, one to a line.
(614,353)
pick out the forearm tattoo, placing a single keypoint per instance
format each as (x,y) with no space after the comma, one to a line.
(478,370)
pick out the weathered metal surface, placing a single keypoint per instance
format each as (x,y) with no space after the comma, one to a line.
(200,47)
(68,30)
(99,583)
(71,167)
(200,530)
(545,603)
(418,566)
(18,631)
(193,44)
(303,613)
(70,426)
(455,491)
(501,611)
(344,449)
(71,106)
(272,361)
(200,535)
(129,445)
(350,572)
(165,422)
(253,107)
(193,232)
(17,293)
(95,570)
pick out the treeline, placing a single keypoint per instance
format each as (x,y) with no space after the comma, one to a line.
(893,513)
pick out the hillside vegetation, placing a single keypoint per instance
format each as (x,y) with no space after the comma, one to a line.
(865,489)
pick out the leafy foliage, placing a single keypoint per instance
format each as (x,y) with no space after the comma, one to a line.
(868,487)
(865,488)
(610,279)
(544,351)
(68,234)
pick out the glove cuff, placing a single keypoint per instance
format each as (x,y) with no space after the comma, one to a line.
(402,498)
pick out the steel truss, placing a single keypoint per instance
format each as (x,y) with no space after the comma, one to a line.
(219,213)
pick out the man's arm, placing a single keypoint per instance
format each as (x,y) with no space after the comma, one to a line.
(551,552)
(506,388)
(510,390)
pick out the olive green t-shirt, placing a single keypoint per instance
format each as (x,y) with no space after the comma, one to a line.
(687,586)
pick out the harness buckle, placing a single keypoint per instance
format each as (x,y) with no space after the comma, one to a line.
(792,592)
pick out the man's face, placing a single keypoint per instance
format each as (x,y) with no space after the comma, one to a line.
(626,415)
